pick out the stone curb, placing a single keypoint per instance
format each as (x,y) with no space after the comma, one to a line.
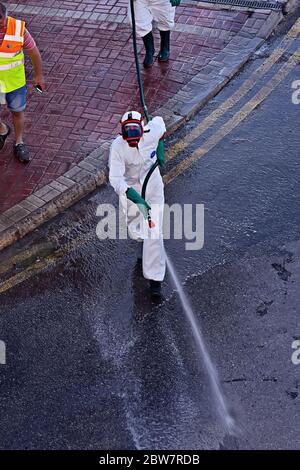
(91,173)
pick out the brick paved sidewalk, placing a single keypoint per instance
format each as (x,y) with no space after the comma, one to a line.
(87,51)
(89,67)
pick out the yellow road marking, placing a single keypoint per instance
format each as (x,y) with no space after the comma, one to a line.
(25,274)
(42,264)
(294,31)
(238,95)
(235,120)
(37,251)
(195,133)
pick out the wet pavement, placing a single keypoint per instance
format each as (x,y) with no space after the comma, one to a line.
(93,364)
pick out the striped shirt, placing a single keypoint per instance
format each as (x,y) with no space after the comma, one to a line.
(29,42)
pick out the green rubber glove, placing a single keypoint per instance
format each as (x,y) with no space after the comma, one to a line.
(175,3)
(134,196)
(160,153)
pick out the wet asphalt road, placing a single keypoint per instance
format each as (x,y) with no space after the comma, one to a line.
(93,364)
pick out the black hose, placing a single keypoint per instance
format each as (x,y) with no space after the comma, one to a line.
(148,176)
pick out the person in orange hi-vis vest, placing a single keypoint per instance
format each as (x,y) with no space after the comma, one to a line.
(14,39)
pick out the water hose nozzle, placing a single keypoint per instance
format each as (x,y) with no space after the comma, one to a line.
(150,221)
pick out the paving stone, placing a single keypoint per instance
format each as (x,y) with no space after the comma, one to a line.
(50,195)
(65,181)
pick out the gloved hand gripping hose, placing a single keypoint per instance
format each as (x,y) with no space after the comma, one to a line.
(175,3)
(160,148)
(143,206)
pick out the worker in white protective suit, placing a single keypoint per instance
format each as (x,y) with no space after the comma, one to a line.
(162,13)
(132,155)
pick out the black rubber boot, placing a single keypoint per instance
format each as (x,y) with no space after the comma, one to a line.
(164,53)
(149,46)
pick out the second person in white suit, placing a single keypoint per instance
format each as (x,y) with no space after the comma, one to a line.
(162,13)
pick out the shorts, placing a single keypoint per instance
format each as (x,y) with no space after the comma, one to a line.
(16,100)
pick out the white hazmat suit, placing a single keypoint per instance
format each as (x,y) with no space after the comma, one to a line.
(160,12)
(128,167)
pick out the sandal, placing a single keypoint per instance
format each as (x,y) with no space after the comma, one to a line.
(3,137)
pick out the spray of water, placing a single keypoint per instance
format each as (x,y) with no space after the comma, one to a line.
(222,407)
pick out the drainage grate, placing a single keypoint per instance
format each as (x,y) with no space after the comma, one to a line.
(248,3)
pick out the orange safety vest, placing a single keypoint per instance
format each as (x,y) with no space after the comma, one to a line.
(12,70)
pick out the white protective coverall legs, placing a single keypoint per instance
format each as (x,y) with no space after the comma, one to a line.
(147,11)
